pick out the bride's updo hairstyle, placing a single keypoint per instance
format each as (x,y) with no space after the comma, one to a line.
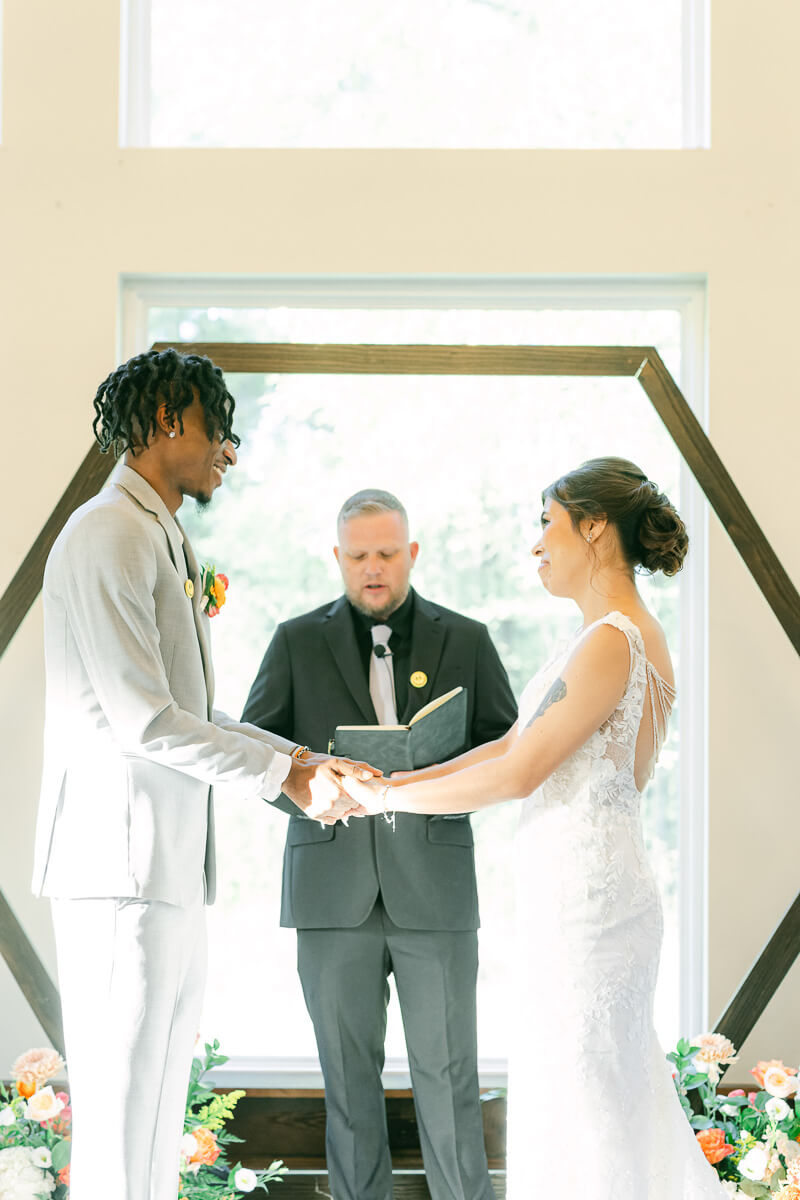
(651,533)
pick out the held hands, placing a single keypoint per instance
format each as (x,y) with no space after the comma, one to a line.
(316,784)
(372,795)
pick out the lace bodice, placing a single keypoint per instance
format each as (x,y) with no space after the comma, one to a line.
(601,772)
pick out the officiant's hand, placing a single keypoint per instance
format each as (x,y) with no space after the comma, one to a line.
(315,785)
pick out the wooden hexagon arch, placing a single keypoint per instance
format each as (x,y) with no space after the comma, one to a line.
(638,362)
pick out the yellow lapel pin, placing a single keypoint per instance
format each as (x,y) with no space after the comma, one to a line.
(188,587)
(418,679)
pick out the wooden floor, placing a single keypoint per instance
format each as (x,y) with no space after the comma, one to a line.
(406,1185)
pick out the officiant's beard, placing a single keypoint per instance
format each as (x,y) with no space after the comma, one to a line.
(375,612)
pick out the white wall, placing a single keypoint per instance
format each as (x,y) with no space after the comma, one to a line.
(76,212)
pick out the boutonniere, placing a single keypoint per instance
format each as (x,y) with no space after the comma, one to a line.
(213,586)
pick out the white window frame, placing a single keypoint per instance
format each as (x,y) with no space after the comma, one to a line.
(134,74)
(686,294)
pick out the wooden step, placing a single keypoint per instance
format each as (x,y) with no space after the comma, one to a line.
(406,1185)
(291,1126)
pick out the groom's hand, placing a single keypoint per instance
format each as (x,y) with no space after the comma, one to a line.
(314,784)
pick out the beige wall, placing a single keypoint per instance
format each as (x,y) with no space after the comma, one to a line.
(76,212)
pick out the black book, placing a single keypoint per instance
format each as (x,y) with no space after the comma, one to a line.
(434,734)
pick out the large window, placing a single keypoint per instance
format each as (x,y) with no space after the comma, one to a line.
(469,457)
(424,73)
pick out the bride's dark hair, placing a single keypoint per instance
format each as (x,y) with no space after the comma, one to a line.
(651,533)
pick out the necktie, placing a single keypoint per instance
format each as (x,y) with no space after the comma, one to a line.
(381,676)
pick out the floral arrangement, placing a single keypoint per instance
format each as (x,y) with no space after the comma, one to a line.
(751,1138)
(213,587)
(204,1172)
(36,1131)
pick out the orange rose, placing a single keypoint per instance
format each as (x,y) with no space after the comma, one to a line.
(712,1143)
(207,1149)
(63,1175)
(758,1070)
(223,579)
(26,1086)
(219,592)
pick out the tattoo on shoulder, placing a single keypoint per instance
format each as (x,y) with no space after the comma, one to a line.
(557,692)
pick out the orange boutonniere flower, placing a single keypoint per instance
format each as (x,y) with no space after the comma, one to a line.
(214,586)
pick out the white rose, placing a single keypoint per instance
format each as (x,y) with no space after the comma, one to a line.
(20,1178)
(730,1110)
(43,1105)
(188,1145)
(245,1179)
(754,1164)
(42,1157)
(8,1116)
(777,1109)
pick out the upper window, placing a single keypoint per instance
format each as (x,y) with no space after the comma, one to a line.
(425,73)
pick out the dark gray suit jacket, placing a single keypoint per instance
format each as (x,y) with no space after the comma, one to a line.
(312,679)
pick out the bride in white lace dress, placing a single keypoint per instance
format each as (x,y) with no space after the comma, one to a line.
(592,1108)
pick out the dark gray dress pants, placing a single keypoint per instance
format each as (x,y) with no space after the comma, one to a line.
(344,973)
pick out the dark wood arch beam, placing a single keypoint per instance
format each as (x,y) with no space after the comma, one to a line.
(642,363)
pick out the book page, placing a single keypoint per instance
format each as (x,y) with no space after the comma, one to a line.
(432,705)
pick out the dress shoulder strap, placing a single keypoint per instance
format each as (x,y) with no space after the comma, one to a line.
(660,693)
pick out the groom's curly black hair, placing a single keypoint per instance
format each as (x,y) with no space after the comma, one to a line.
(127,401)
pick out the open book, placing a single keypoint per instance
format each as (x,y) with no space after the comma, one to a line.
(437,732)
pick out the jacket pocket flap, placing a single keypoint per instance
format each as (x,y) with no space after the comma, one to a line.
(453,831)
(305,831)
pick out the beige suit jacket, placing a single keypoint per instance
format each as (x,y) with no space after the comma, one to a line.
(132,743)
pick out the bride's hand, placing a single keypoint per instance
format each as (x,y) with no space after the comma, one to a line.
(369,794)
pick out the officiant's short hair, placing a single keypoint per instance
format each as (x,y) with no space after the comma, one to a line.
(370,501)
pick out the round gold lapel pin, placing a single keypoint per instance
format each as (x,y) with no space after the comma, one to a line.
(188,587)
(418,679)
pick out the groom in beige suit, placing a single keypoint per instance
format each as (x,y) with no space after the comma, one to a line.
(133,745)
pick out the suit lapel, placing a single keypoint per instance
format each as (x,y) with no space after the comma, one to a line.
(200,618)
(338,631)
(427,642)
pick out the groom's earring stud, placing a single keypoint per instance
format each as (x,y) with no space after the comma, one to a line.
(589,538)
(172,433)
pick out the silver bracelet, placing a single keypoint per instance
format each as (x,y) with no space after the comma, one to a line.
(387,816)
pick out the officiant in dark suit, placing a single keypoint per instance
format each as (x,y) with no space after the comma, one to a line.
(369,900)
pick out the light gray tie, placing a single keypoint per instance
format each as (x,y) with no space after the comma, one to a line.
(381,676)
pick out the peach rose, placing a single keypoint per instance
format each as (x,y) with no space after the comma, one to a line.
(63,1175)
(712,1143)
(758,1070)
(43,1106)
(779,1082)
(207,1149)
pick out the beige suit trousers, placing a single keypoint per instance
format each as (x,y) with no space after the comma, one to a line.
(131,974)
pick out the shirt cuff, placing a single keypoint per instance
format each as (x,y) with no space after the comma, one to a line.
(276,775)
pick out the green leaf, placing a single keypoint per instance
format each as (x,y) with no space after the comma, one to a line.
(61,1153)
(702,1123)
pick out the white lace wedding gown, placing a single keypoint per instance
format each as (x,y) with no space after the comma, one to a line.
(593,1113)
